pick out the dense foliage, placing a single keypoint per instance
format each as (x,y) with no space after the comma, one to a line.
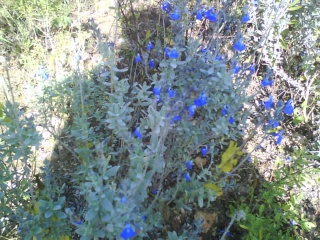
(169,130)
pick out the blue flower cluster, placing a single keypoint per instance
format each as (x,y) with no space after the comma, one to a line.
(288,109)
(172,53)
(174,15)
(209,14)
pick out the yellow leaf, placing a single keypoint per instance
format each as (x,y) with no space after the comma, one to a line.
(229,158)
(35,208)
(64,237)
(213,187)
(274,130)
(169,41)
(148,34)
(243,226)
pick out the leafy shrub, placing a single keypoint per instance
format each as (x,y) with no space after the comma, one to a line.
(22,21)
(136,127)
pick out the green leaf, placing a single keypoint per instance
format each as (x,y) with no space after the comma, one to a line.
(48,214)
(91,214)
(297,120)
(308,225)
(304,105)
(200,198)
(295,8)
(294,22)
(261,209)
(173,64)
(106,204)
(112,171)
(57,207)
(311,156)
(1,110)
(283,44)
(61,215)
(99,234)
(243,226)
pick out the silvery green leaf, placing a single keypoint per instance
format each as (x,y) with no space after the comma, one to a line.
(106,204)
(119,70)
(61,215)
(112,171)
(99,234)
(210,71)
(48,214)
(173,64)
(57,207)
(91,214)
(200,198)
(164,64)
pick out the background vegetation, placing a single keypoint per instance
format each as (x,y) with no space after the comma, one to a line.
(159,120)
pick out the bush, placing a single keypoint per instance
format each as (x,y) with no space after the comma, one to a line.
(163,130)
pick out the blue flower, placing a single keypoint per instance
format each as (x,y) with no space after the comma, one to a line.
(203,50)
(150,46)
(204,151)
(236,68)
(255,2)
(138,58)
(155,191)
(128,232)
(137,133)
(231,120)
(189,164)
(187,177)
(175,15)
(293,223)
(288,159)
(224,110)
(43,74)
(199,15)
(166,51)
(288,108)
(156,91)
(151,63)
(166,7)
(219,57)
(77,223)
(173,53)
(192,110)
(124,199)
(268,104)
(266,82)
(229,234)
(171,93)
(245,18)
(252,68)
(277,134)
(201,101)
(273,123)
(239,46)
(279,139)
(211,15)
(176,118)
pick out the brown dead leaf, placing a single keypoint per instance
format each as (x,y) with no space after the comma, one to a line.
(200,162)
(209,219)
